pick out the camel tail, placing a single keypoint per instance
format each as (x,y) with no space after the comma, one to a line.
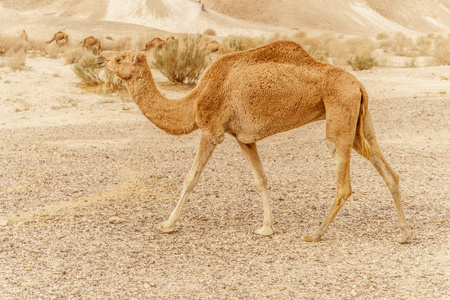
(365,147)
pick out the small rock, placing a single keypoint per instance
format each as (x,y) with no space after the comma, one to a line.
(115,220)
(3,222)
(353,293)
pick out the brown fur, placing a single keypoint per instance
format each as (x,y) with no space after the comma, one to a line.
(154,43)
(59,38)
(257,93)
(92,44)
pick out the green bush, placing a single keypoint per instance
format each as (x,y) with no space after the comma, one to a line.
(182,60)
(359,63)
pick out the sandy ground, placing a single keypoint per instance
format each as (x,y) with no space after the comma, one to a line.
(85,179)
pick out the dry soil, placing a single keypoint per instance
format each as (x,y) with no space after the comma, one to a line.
(85,179)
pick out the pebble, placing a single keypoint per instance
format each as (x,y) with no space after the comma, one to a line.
(115,220)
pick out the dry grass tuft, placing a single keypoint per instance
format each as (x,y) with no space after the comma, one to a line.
(74,54)
(16,60)
(93,76)
(441,52)
(182,60)
(241,43)
(359,63)
(12,44)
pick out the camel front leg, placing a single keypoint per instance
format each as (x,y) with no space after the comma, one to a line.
(204,152)
(251,154)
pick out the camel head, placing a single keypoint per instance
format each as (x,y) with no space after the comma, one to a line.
(124,64)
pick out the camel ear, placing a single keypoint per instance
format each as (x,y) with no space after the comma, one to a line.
(138,57)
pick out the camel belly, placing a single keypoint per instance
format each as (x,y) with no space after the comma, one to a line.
(257,127)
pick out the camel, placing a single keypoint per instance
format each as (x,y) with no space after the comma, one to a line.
(92,44)
(214,46)
(59,38)
(23,36)
(255,94)
(155,43)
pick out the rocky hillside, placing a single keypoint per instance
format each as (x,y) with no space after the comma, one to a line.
(359,17)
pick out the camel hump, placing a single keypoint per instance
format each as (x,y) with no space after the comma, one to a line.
(282,52)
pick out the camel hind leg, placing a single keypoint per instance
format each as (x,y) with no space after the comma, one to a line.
(344,190)
(341,118)
(390,177)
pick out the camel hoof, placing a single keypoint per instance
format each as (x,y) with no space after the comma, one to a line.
(406,238)
(266,231)
(166,227)
(312,238)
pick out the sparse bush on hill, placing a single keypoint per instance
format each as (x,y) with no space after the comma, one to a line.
(182,60)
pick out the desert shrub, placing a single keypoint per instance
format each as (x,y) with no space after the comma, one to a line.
(315,46)
(38,46)
(360,46)
(94,76)
(88,70)
(182,60)
(55,51)
(210,31)
(122,44)
(359,63)
(241,43)
(441,52)
(12,44)
(383,36)
(73,55)
(111,83)
(16,60)
(401,44)
(424,45)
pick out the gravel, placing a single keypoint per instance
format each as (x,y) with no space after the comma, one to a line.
(80,201)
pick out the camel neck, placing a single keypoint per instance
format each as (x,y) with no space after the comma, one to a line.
(173,116)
